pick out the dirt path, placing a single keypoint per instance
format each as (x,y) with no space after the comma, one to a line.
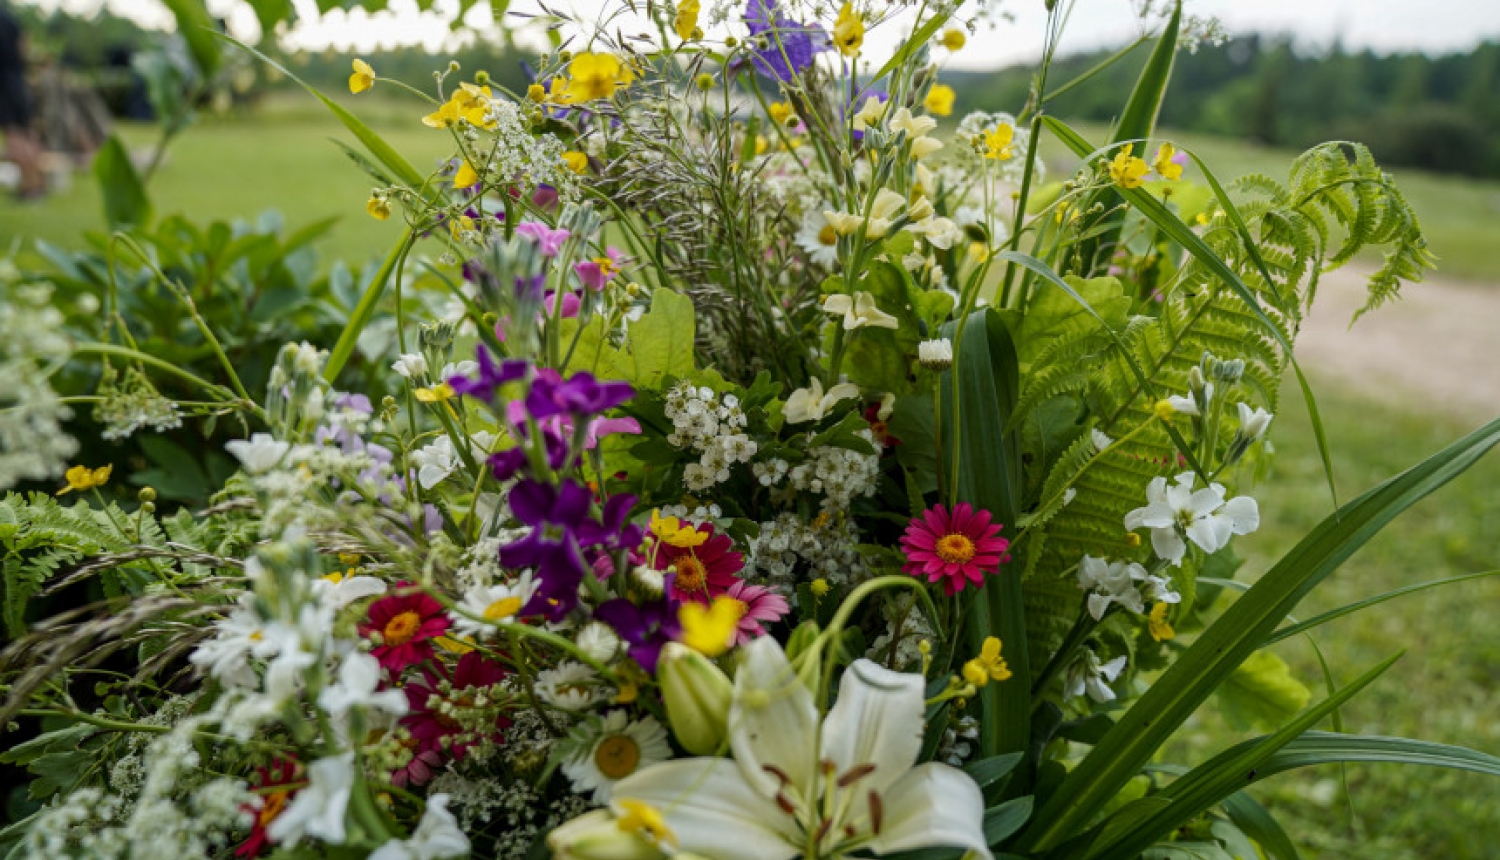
(1439,346)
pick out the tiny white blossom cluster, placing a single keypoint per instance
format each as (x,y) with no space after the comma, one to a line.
(825,549)
(33,445)
(839,474)
(712,425)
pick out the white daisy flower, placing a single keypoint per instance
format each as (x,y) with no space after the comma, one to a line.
(495,604)
(619,748)
(1204,517)
(571,686)
(819,240)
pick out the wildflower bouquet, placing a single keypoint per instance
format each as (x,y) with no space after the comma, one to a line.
(760,472)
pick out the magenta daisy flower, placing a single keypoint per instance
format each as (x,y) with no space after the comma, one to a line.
(758,605)
(957,549)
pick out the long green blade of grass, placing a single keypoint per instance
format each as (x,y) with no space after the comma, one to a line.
(1131,742)
(1350,608)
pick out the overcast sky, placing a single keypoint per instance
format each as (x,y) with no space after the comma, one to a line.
(1383,25)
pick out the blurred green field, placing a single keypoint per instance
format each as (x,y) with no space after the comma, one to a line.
(1447,688)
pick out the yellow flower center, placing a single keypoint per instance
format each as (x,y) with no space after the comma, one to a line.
(828,236)
(691,575)
(400,630)
(502,609)
(617,756)
(955,549)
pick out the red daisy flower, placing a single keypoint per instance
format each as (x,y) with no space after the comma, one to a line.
(433,699)
(703,572)
(282,771)
(957,549)
(407,624)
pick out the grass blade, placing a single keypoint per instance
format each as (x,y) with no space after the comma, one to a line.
(1242,628)
(1348,609)
(349,338)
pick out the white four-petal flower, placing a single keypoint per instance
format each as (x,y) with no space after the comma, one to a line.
(1175,511)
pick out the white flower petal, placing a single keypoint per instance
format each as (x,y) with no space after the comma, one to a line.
(933,805)
(877,720)
(1168,545)
(1210,533)
(1243,514)
(773,720)
(711,810)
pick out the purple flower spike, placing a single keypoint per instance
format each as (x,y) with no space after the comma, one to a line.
(792,45)
(547,239)
(581,395)
(555,515)
(489,377)
(644,628)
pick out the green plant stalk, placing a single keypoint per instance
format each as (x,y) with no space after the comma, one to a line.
(344,348)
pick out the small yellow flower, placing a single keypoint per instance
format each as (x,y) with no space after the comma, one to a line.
(457,228)
(466,176)
(378,207)
(1126,170)
(82,478)
(576,161)
(363,77)
(670,530)
(999,142)
(1164,409)
(709,630)
(988,666)
(1161,629)
(645,821)
(628,680)
(1165,166)
(954,39)
(437,393)
(819,587)
(536,93)
(780,112)
(595,76)
(469,103)
(848,31)
(686,22)
(1132,539)
(939,101)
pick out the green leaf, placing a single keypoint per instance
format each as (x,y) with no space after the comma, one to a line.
(125,200)
(1051,312)
(349,337)
(197,28)
(271,12)
(1139,118)
(660,344)
(991,770)
(916,42)
(1261,693)
(1179,691)
(1003,821)
(1347,609)
(1257,823)
(1315,748)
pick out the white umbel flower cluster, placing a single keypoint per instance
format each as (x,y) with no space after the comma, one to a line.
(711,424)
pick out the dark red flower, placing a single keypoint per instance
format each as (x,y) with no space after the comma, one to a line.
(435,734)
(701,572)
(407,624)
(282,771)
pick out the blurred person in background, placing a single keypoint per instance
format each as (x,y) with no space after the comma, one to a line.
(21,144)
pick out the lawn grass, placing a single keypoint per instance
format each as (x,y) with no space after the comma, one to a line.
(1446,688)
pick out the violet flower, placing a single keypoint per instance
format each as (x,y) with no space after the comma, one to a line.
(645,628)
(489,377)
(555,515)
(580,395)
(792,45)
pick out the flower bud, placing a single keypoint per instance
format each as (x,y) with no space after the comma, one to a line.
(596,836)
(936,355)
(697,695)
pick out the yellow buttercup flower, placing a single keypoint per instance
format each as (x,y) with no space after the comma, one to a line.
(686,22)
(939,101)
(378,207)
(456,228)
(709,630)
(988,666)
(1165,166)
(363,77)
(819,587)
(536,93)
(466,176)
(442,391)
(82,478)
(595,76)
(576,161)
(469,103)
(954,39)
(645,821)
(1126,170)
(999,142)
(848,31)
(670,530)
(780,112)
(1161,629)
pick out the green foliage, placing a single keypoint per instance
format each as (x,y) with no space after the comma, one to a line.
(41,537)
(1261,693)
(125,200)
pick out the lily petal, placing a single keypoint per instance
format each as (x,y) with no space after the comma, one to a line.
(773,721)
(711,810)
(877,720)
(933,805)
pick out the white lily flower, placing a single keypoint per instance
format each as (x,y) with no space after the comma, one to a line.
(811,404)
(260,453)
(859,310)
(1086,675)
(1111,582)
(850,786)
(497,604)
(1204,517)
(914,126)
(358,686)
(318,810)
(437,836)
(412,365)
(1253,423)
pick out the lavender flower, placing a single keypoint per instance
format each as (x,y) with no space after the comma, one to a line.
(645,628)
(792,45)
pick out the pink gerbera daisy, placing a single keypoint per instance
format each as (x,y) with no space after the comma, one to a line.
(757,605)
(407,624)
(957,549)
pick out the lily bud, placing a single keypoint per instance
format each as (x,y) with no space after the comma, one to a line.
(597,836)
(697,694)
